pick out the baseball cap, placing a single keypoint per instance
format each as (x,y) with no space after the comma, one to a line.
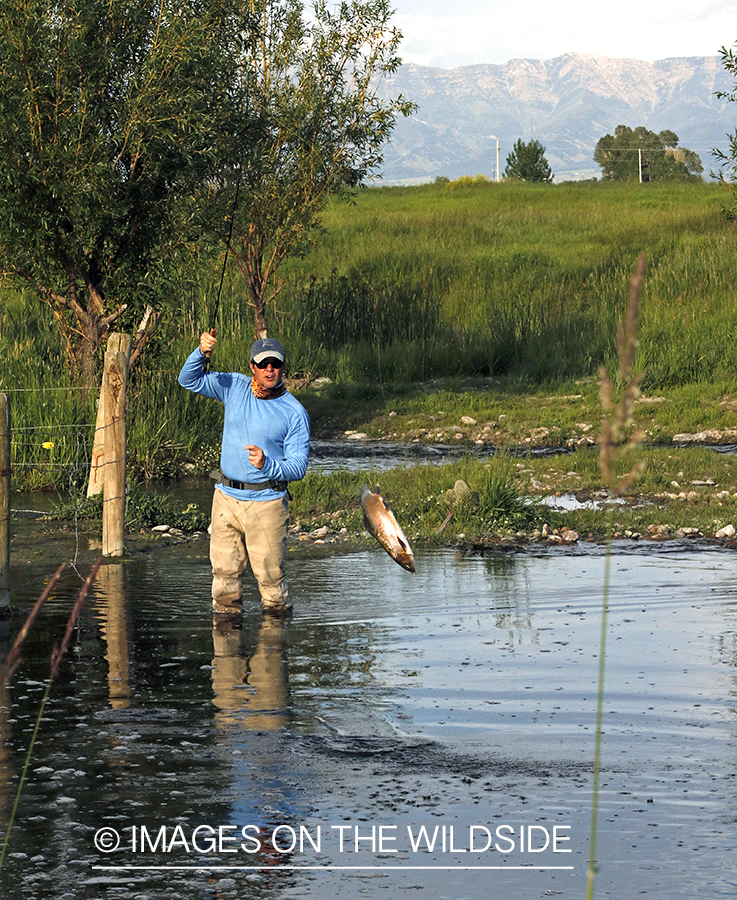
(265,348)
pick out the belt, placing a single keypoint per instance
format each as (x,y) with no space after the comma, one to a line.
(247,486)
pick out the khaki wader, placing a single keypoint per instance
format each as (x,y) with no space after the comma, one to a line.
(249,531)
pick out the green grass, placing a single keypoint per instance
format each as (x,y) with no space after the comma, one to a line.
(434,302)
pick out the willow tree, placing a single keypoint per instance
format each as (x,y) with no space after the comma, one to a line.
(318,126)
(727,159)
(112,116)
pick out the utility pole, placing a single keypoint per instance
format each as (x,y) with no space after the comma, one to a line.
(639,163)
(494,137)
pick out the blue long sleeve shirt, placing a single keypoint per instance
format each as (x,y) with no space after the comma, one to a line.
(280,427)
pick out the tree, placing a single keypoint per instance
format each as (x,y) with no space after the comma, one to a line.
(638,154)
(112,120)
(527,162)
(317,127)
(729,158)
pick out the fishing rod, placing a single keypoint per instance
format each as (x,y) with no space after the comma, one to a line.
(213,329)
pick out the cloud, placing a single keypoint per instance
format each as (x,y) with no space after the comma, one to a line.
(468,31)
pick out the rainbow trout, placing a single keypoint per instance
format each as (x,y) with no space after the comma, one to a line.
(380,522)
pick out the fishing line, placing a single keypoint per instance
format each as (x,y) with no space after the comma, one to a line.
(213,329)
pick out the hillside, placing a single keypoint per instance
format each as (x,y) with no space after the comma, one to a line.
(567,103)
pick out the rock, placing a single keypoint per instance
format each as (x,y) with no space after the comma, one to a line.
(568,536)
(727,532)
(467,420)
(161,528)
(319,532)
(357,436)
(711,436)
(321,382)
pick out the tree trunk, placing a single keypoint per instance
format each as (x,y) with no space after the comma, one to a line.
(262,330)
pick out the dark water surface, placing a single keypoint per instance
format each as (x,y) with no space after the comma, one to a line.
(460,700)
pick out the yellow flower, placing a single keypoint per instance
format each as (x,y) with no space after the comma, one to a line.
(48,445)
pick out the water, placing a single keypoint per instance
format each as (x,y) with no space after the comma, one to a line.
(460,700)
(331,456)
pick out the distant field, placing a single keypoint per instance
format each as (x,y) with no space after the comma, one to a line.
(520,282)
(525,279)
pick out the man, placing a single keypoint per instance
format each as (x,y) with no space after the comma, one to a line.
(266,444)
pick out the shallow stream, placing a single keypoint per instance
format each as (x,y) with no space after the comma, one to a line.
(452,708)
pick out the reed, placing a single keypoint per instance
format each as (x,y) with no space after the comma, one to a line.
(57,655)
(617,443)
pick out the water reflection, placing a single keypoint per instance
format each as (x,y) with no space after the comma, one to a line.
(250,674)
(7,768)
(110,606)
(462,695)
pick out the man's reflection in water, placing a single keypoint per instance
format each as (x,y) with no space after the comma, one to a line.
(250,682)
(251,688)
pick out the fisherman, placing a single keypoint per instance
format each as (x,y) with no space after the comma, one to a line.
(266,444)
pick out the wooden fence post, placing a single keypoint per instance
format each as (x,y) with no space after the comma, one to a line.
(4,503)
(113,397)
(115,343)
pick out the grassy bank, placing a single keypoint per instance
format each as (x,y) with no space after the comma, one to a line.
(681,488)
(426,307)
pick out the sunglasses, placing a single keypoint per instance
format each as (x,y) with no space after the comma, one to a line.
(269,361)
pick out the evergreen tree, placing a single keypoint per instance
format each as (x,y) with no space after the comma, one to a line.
(527,162)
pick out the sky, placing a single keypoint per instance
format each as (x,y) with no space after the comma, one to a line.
(447,33)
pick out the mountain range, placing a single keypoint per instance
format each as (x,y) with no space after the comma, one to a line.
(566,103)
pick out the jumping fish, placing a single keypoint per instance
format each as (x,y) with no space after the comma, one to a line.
(380,522)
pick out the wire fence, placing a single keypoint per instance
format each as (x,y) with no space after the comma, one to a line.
(55,455)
